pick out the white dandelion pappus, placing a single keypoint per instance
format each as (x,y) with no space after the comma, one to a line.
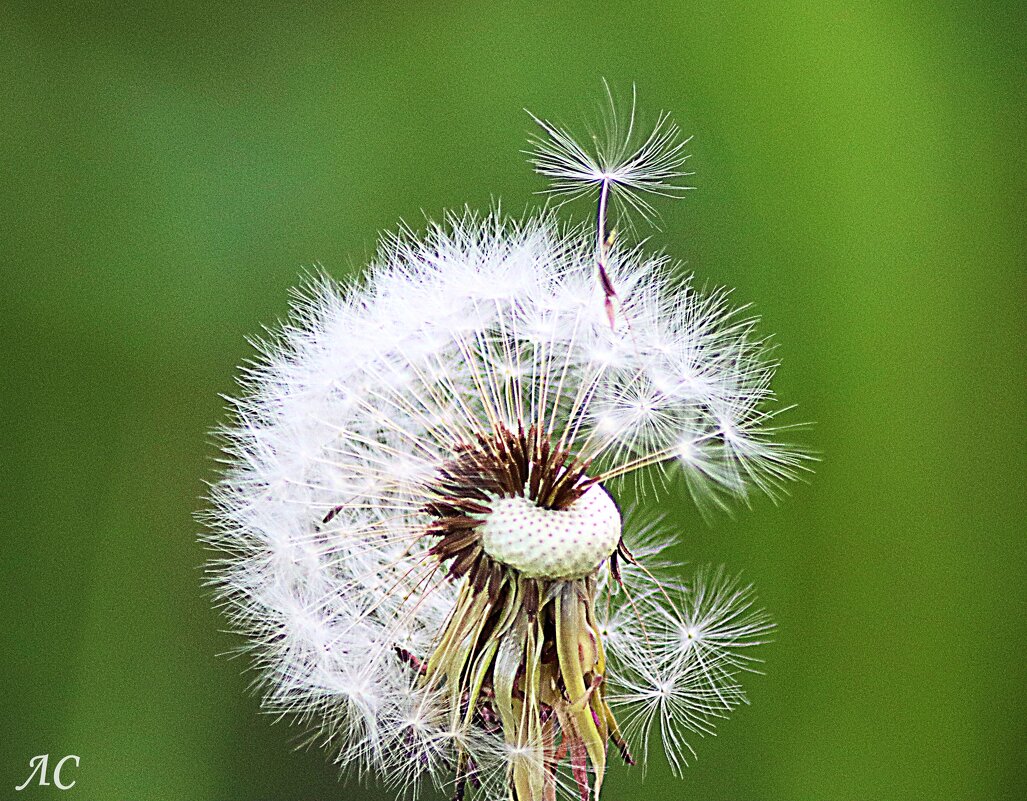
(417,516)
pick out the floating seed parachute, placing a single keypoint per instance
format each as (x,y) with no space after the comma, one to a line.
(418,518)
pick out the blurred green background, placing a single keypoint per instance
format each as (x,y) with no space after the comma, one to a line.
(168,174)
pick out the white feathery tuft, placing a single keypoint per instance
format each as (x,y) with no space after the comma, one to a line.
(635,165)
(682,673)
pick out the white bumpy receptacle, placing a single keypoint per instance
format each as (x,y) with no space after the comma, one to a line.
(553,543)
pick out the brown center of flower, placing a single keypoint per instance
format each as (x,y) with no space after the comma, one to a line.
(480,477)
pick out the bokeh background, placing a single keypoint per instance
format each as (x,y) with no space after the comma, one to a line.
(169,173)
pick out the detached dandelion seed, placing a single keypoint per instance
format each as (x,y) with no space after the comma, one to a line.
(418,518)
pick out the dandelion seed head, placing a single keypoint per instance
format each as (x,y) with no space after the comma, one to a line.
(418,521)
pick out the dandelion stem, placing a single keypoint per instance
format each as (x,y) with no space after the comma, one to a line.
(604,196)
(602,251)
